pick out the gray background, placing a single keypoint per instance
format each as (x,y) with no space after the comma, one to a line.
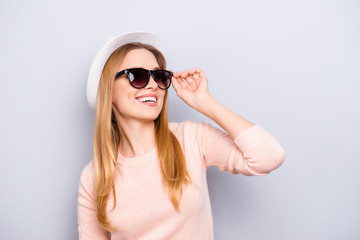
(291,67)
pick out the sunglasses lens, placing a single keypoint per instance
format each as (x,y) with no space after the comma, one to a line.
(138,77)
(163,78)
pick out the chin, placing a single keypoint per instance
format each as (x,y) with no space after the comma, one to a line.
(151,117)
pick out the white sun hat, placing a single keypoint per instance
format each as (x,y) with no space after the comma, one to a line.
(107,49)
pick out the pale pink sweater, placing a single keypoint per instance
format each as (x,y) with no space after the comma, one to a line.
(144,211)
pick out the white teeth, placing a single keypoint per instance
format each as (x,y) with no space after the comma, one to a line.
(144,99)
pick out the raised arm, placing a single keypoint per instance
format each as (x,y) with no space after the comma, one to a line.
(194,92)
(249,149)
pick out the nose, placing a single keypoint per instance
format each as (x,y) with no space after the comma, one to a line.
(152,84)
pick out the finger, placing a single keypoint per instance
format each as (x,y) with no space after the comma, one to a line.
(173,73)
(195,76)
(178,74)
(185,73)
(199,72)
(202,74)
(195,72)
(192,71)
(175,85)
(183,86)
(188,73)
(189,79)
(180,82)
(191,83)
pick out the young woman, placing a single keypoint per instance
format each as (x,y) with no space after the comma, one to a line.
(147,179)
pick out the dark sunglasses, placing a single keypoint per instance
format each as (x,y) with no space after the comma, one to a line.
(139,77)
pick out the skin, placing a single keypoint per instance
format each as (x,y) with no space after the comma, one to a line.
(135,120)
(192,87)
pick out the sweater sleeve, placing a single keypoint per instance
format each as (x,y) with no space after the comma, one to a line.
(88,225)
(252,152)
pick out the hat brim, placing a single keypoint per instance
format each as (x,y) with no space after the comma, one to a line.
(105,52)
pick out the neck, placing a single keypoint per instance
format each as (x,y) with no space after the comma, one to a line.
(136,137)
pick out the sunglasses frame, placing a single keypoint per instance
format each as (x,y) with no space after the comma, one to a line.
(150,73)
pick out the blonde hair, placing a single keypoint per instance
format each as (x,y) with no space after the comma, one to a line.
(107,138)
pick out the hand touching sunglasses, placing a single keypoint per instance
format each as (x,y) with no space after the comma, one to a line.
(140,77)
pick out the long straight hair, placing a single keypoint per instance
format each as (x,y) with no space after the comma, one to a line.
(107,138)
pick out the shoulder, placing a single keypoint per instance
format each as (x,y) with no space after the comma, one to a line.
(86,199)
(87,174)
(187,126)
(190,131)
(180,126)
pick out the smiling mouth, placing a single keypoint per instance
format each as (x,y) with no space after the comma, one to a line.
(147,99)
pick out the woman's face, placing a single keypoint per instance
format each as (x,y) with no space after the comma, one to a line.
(125,102)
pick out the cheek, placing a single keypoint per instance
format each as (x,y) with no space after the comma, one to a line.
(163,95)
(117,96)
(122,93)
(162,99)
(122,100)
